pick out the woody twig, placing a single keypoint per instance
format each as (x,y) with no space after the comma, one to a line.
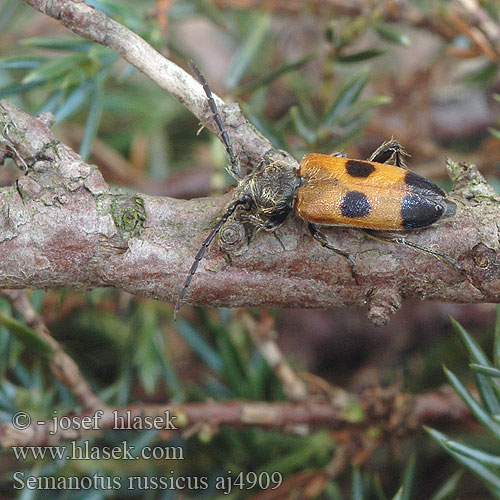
(63,366)
(394,413)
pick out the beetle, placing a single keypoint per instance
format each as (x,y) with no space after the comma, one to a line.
(378,194)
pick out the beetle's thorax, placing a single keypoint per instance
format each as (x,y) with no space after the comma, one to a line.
(270,192)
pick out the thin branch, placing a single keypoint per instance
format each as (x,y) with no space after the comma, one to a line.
(396,414)
(63,366)
(264,336)
(61,226)
(250,146)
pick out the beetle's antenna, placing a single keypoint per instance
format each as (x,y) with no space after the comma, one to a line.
(201,253)
(235,169)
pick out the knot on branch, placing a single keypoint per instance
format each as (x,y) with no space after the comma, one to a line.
(486,261)
(129,215)
(483,256)
(233,238)
(384,302)
(468,182)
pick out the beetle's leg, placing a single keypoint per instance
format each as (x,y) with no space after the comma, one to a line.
(260,165)
(390,152)
(259,224)
(256,221)
(338,154)
(275,234)
(321,238)
(399,240)
(247,218)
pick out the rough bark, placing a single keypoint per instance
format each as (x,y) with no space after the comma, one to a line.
(62,226)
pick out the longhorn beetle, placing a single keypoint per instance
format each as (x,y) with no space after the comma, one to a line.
(379,194)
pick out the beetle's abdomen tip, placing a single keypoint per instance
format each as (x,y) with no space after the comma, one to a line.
(450,209)
(418,211)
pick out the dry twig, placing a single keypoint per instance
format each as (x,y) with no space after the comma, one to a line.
(62,365)
(396,414)
(264,336)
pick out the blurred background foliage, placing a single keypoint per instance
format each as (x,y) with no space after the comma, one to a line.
(317,76)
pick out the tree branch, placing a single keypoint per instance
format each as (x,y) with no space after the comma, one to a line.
(62,226)
(249,145)
(264,337)
(63,366)
(394,413)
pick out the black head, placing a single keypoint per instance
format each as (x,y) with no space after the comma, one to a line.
(271,190)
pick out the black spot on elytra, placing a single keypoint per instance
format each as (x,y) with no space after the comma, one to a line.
(358,168)
(418,211)
(421,185)
(355,204)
